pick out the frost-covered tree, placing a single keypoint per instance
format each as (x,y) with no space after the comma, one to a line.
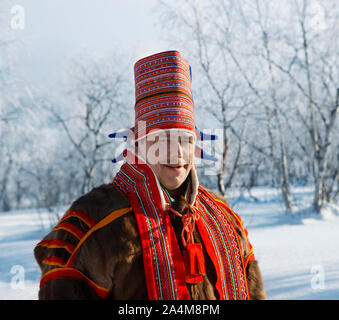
(268,72)
(98,101)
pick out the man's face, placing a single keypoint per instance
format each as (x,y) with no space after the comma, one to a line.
(170,153)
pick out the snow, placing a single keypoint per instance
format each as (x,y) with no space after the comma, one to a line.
(298,255)
(20,231)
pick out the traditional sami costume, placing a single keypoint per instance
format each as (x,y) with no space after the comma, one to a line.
(131,239)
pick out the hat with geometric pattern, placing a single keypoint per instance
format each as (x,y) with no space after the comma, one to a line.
(163,99)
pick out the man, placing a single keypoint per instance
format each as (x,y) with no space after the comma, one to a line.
(154,233)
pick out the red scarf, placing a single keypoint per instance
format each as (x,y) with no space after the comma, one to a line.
(163,262)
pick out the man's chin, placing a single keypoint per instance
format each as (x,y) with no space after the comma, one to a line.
(172,183)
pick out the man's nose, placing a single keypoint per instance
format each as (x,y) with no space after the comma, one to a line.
(175,152)
(180,150)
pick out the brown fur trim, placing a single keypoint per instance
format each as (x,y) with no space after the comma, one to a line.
(100,202)
(97,204)
(255,281)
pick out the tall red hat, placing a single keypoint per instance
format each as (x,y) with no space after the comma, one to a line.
(163,94)
(163,99)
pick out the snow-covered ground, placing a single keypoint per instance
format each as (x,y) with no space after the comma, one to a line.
(20,231)
(298,256)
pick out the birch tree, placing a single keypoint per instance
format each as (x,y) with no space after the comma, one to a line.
(312,71)
(99,95)
(278,64)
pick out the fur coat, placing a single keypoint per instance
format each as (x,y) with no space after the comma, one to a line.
(94,252)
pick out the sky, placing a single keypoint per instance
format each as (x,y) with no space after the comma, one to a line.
(54,31)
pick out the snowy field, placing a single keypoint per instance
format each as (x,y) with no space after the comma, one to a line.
(298,256)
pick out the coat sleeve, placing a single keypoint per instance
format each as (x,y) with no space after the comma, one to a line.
(73,258)
(61,279)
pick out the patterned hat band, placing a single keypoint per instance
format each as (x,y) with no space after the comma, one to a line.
(164,100)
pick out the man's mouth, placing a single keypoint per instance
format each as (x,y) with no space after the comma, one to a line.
(175,167)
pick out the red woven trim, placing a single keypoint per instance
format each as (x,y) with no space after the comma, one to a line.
(240,224)
(158,93)
(57,244)
(239,243)
(70,228)
(152,129)
(82,216)
(210,249)
(75,274)
(161,57)
(54,261)
(150,278)
(230,211)
(144,108)
(148,251)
